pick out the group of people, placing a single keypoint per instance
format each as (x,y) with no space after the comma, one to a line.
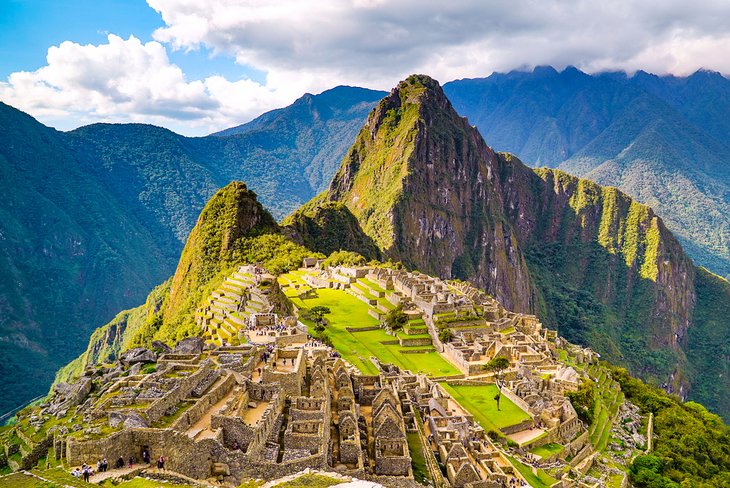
(85,471)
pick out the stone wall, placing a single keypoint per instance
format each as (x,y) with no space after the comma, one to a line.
(517,400)
(160,407)
(194,413)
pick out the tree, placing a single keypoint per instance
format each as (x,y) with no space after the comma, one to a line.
(317,314)
(497,365)
(396,319)
(445,335)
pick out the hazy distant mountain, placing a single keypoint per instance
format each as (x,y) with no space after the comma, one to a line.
(663,140)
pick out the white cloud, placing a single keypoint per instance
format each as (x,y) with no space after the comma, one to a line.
(375,43)
(130,81)
(312,45)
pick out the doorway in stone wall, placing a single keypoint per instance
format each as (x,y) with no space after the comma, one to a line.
(145,455)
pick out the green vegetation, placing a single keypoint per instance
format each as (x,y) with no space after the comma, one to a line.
(331,228)
(497,366)
(583,401)
(396,318)
(547,450)
(358,346)
(375,166)
(139,482)
(691,445)
(418,461)
(309,481)
(22,480)
(480,402)
(539,480)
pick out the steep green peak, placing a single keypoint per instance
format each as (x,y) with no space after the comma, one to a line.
(233,213)
(371,179)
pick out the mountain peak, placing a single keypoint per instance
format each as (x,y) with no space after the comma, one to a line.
(233,212)
(417,178)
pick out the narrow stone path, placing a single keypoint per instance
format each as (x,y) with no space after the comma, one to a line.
(98,477)
(202,429)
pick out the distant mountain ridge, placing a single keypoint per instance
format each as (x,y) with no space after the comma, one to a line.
(663,140)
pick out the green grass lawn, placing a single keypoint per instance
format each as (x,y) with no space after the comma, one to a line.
(539,480)
(310,481)
(547,450)
(141,483)
(357,347)
(418,461)
(20,480)
(59,477)
(372,284)
(479,401)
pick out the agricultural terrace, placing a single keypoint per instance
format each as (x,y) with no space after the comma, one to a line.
(357,347)
(480,402)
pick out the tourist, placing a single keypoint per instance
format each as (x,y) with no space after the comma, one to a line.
(120,463)
(161,463)
(76,473)
(86,473)
(146,456)
(104,465)
(131,462)
(98,466)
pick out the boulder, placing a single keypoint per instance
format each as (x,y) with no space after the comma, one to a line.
(161,347)
(190,345)
(116,419)
(138,355)
(135,369)
(135,421)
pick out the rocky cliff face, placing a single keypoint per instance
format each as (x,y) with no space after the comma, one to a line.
(420,180)
(589,260)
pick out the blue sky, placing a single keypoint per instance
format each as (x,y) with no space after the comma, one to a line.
(29,27)
(198,67)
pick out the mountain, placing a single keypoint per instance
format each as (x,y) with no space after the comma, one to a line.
(232,229)
(71,255)
(590,261)
(663,140)
(94,218)
(130,194)
(690,444)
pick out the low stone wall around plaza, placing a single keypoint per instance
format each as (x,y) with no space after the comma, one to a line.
(362,329)
(456,357)
(285,340)
(425,341)
(511,429)
(194,413)
(517,400)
